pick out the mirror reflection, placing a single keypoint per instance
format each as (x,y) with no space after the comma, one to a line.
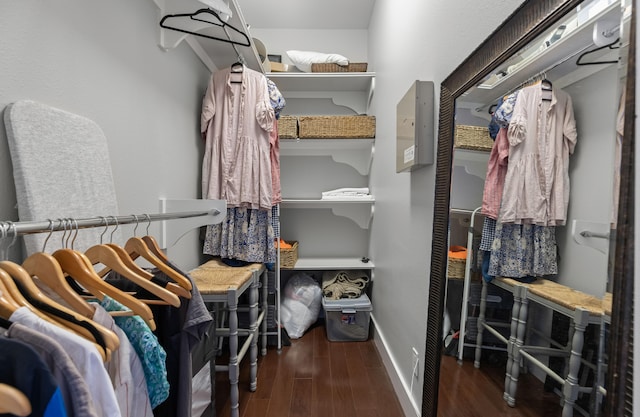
(532,216)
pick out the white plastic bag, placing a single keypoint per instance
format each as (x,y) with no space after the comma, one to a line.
(300,305)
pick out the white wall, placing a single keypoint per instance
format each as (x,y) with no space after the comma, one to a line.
(408,41)
(101,60)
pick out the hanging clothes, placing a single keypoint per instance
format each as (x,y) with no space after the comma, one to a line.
(523,251)
(22,368)
(84,356)
(125,370)
(238,116)
(496,173)
(236,120)
(542,134)
(73,387)
(145,343)
(244,234)
(179,330)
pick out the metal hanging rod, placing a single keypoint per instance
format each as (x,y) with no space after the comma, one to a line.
(65,224)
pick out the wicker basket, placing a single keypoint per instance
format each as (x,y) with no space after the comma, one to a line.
(457,261)
(473,137)
(289,256)
(352,67)
(288,127)
(336,127)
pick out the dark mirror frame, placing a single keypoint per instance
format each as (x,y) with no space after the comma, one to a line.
(528,21)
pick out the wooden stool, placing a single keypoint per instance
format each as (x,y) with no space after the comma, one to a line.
(222,284)
(583,309)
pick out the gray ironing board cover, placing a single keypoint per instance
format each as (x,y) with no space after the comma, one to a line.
(61,169)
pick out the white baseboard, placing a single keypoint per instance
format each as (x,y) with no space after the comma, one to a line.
(403,392)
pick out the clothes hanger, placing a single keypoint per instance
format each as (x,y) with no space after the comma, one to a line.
(108,256)
(76,265)
(106,339)
(8,305)
(155,249)
(153,246)
(136,247)
(584,54)
(13,401)
(79,269)
(201,16)
(12,289)
(46,269)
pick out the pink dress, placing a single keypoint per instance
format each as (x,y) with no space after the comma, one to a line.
(542,134)
(496,173)
(236,120)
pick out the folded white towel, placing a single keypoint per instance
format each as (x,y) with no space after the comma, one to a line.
(346,191)
(348,197)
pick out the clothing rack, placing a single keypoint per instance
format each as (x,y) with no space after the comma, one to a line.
(70,224)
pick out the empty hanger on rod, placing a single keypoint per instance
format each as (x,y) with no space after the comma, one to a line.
(203,15)
(584,54)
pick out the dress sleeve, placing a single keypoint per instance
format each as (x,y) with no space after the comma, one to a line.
(265,115)
(208,107)
(517,130)
(569,127)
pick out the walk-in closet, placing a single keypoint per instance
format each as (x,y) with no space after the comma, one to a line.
(237,208)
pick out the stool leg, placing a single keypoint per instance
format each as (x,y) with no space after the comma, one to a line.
(522,327)
(571,387)
(515,311)
(265,308)
(253,328)
(233,352)
(481,318)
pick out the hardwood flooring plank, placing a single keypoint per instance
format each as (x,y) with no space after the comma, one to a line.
(386,401)
(283,385)
(322,392)
(301,403)
(362,388)
(343,405)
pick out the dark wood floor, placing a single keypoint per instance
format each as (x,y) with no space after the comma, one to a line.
(317,378)
(465,391)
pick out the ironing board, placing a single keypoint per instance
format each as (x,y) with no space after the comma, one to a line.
(44,140)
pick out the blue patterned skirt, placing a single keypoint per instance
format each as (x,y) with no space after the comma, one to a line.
(245,234)
(523,250)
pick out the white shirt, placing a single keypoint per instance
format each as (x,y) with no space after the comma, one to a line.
(125,370)
(83,354)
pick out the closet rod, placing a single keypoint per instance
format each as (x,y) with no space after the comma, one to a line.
(54,225)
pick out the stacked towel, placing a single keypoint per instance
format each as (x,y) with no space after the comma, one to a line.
(344,284)
(347,193)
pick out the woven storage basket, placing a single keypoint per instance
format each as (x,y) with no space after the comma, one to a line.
(457,261)
(352,67)
(289,256)
(337,127)
(473,137)
(288,127)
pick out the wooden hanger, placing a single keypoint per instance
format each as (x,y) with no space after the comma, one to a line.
(172,287)
(8,305)
(12,288)
(45,267)
(13,401)
(78,267)
(153,246)
(107,255)
(136,247)
(81,325)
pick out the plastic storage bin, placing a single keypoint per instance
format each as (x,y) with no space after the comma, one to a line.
(347,319)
